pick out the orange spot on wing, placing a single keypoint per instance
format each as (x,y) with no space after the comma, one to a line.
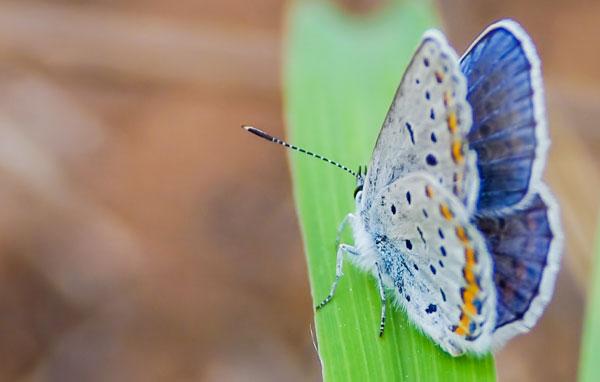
(439,76)
(462,235)
(464,322)
(452,122)
(469,276)
(469,294)
(470,256)
(470,309)
(468,298)
(445,211)
(447,98)
(429,191)
(457,151)
(473,288)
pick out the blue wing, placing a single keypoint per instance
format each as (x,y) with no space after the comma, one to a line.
(525,246)
(508,132)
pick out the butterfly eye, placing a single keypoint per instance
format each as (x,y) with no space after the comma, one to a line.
(357,190)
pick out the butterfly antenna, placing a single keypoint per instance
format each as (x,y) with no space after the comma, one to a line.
(273,139)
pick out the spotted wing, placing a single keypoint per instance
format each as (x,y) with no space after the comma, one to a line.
(426,125)
(526,247)
(436,261)
(509,130)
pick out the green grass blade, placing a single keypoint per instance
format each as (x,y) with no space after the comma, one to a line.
(590,367)
(341,73)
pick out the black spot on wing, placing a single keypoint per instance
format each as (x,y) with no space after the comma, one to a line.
(421,234)
(432,308)
(410,132)
(431,160)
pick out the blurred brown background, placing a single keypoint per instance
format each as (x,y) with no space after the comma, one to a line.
(144,237)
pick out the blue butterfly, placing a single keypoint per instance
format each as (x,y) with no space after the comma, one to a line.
(452,215)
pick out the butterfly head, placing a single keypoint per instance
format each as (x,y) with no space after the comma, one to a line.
(360,181)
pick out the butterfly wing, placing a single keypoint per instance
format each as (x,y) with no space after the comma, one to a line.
(526,247)
(509,130)
(426,125)
(436,261)
(515,212)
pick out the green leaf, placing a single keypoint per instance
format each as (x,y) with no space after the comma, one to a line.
(590,368)
(341,72)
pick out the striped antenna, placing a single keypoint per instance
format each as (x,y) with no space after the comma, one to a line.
(273,139)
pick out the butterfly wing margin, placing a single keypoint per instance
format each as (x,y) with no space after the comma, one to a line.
(509,129)
(436,262)
(426,126)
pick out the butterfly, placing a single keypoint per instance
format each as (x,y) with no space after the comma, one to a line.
(452,215)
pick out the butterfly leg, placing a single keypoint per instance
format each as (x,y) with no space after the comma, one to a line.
(341,228)
(382,296)
(342,249)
